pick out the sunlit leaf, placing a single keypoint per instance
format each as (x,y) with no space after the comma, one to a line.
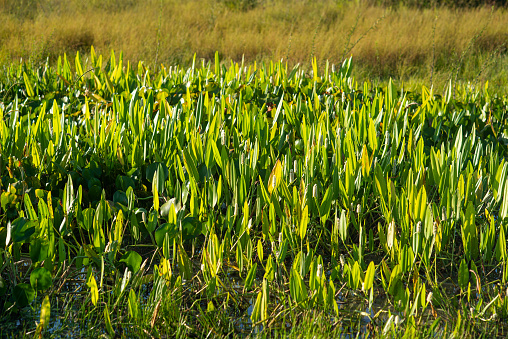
(133,260)
(94,292)
(45,312)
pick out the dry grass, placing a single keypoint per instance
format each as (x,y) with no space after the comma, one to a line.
(402,45)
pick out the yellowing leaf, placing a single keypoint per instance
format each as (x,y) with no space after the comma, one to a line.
(275,177)
(369,277)
(45,312)
(28,85)
(304,222)
(93,289)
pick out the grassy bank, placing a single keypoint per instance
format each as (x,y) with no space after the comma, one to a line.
(428,46)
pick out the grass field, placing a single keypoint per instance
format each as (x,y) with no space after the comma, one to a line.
(418,46)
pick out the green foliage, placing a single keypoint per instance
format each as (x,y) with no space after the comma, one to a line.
(189,192)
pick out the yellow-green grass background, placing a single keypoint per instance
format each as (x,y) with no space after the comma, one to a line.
(413,45)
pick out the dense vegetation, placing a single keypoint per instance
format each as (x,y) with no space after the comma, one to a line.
(167,203)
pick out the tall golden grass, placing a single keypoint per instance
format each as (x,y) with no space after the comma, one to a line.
(406,43)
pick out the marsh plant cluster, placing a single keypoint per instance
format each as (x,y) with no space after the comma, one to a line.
(227,198)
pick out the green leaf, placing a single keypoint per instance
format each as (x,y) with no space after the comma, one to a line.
(469,232)
(184,264)
(123,182)
(150,172)
(503,211)
(7,199)
(381,183)
(259,249)
(107,321)
(326,204)
(256,310)
(119,197)
(369,277)
(216,153)
(28,85)
(22,229)
(264,301)
(191,228)
(170,229)
(395,280)
(133,305)
(40,279)
(270,269)
(264,192)
(463,275)
(356,275)
(24,294)
(372,136)
(152,221)
(250,276)
(501,246)
(365,161)
(29,208)
(39,250)
(498,179)
(297,287)
(133,260)
(190,165)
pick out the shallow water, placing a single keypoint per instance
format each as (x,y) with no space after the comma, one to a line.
(354,318)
